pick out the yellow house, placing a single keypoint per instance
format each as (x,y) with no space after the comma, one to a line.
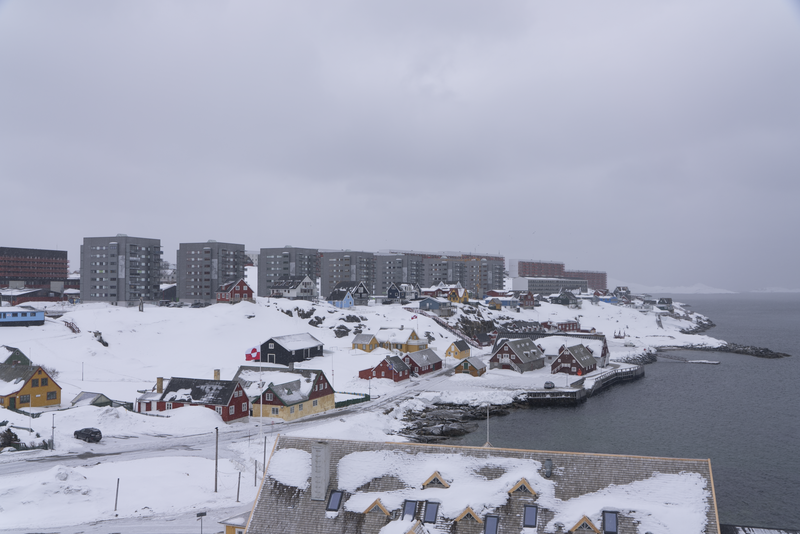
(27,386)
(286,394)
(402,339)
(458,349)
(236,524)
(365,342)
(458,294)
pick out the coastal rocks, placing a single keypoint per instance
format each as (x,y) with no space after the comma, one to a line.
(446,421)
(701,325)
(640,359)
(735,348)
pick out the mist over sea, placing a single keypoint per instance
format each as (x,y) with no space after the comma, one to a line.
(742,414)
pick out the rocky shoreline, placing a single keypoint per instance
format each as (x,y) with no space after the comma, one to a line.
(733,348)
(445,421)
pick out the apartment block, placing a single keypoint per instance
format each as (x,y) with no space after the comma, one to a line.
(546,285)
(120,269)
(397,268)
(596,279)
(203,267)
(346,266)
(275,263)
(31,267)
(540,268)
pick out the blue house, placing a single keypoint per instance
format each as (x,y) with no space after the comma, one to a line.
(13,316)
(341,298)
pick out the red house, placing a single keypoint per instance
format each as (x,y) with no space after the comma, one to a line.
(422,361)
(392,367)
(528,300)
(226,397)
(575,360)
(233,292)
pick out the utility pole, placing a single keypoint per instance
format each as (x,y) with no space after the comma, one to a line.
(216,468)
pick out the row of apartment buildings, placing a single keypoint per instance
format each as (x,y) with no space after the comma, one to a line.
(552,269)
(127,269)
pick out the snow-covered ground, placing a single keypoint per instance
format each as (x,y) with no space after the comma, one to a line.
(166,464)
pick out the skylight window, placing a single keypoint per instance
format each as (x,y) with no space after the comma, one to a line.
(529,518)
(408,509)
(334,501)
(491,524)
(610,523)
(431,509)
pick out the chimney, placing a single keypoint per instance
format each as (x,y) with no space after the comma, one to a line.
(320,470)
(160,384)
(291,366)
(216,374)
(402,326)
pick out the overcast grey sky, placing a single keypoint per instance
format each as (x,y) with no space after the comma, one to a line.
(657,140)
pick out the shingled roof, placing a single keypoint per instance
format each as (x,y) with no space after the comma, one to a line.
(377,481)
(199,391)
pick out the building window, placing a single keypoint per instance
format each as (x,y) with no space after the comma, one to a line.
(334,501)
(490,524)
(218,409)
(24,399)
(272,345)
(169,406)
(529,518)
(314,402)
(408,510)
(268,396)
(44,382)
(431,509)
(52,395)
(610,523)
(244,406)
(274,411)
(301,407)
(35,383)
(231,410)
(291,409)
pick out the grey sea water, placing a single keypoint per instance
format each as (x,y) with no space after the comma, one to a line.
(743,414)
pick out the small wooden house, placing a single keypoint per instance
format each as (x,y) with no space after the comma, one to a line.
(576,360)
(365,342)
(528,300)
(293,288)
(341,298)
(236,524)
(290,349)
(458,295)
(459,349)
(520,355)
(226,397)
(392,367)
(422,361)
(401,339)
(287,394)
(473,366)
(358,291)
(27,386)
(13,316)
(233,292)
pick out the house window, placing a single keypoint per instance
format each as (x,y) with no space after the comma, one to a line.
(431,509)
(272,345)
(169,406)
(52,395)
(291,409)
(274,411)
(314,402)
(610,523)
(35,383)
(334,501)
(231,410)
(44,382)
(24,399)
(529,518)
(244,406)
(218,409)
(490,524)
(301,407)
(268,396)
(408,509)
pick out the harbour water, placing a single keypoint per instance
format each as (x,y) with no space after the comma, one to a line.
(742,414)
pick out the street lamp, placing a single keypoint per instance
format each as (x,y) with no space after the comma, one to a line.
(200,516)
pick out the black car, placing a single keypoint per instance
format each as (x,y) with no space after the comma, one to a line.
(89,435)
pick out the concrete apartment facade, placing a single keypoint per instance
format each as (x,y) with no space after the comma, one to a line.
(120,269)
(346,266)
(397,268)
(274,263)
(547,286)
(596,279)
(203,267)
(32,267)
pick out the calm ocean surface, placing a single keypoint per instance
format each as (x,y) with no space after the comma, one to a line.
(742,414)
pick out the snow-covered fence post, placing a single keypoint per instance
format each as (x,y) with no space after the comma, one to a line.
(255,474)
(116,498)
(238,486)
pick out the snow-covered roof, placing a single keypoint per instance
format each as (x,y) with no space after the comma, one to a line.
(198,391)
(362,339)
(14,377)
(665,495)
(297,341)
(424,357)
(256,380)
(394,335)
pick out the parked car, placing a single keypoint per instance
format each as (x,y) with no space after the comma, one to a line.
(89,435)
(549,385)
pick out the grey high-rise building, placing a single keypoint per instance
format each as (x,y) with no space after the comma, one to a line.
(203,267)
(397,268)
(346,266)
(476,273)
(275,263)
(120,269)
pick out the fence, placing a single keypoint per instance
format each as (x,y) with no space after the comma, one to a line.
(363,397)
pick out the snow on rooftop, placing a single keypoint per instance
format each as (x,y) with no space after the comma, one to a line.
(291,467)
(297,341)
